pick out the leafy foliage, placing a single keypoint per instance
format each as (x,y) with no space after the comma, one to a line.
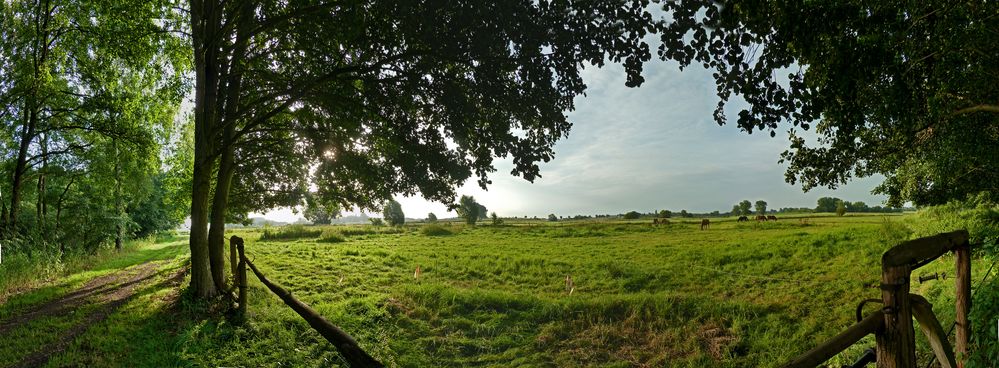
(901,89)
(631,215)
(761,207)
(469,209)
(392,212)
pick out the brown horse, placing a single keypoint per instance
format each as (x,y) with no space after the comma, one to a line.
(761,218)
(660,221)
(772,217)
(743,218)
(705,223)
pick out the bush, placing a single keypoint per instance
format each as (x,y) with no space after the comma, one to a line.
(632,215)
(552,217)
(434,230)
(331,236)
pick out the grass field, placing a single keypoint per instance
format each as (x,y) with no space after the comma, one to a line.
(735,295)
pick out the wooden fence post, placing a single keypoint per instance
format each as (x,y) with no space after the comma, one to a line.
(962,256)
(240,273)
(897,341)
(233,257)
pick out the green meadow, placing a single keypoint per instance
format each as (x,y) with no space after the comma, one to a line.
(735,295)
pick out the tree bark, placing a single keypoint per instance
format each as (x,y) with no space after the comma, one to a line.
(204,26)
(216,232)
(230,84)
(119,211)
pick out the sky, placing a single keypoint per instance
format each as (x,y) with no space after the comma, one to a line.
(645,149)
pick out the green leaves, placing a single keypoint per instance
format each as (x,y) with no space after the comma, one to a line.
(887,86)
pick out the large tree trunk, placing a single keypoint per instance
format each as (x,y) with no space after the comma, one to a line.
(230,85)
(216,232)
(204,27)
(21,165)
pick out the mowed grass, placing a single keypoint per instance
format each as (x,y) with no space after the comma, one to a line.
(735,295)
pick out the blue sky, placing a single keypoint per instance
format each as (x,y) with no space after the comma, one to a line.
(647,148)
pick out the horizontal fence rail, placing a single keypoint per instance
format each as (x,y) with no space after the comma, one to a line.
(343,342)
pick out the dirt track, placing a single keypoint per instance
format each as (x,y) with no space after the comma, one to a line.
(107,293)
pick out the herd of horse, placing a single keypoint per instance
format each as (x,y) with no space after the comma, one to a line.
(705,223)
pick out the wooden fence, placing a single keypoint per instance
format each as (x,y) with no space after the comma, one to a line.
(343,342)
(892,325)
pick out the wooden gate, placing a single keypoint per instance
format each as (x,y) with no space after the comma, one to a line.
(892,325)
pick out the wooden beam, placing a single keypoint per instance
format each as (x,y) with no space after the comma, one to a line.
(838,343)
(962,294)
(343,342)
(922,310)
(897,341)
(923,249)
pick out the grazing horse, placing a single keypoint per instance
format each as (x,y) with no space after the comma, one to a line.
(772,217)
(761,218)
(743,218)
(660,221)
(705,223)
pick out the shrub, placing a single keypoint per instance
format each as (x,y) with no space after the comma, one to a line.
(434,230)
(331,236)
(552,217)
(632,215)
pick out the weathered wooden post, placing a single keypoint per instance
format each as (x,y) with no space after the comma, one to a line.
(240,273)
(896,341)
(962,260)
(233,257)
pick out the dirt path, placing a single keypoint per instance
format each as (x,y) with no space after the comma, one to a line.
(107,292)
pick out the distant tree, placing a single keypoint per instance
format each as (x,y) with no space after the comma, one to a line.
(392,211)
(745,208)
(468,209)
(736,211)
(483,212)
(496,220)
(683,213)
(665,214)
(840,208)
(761,207)
(317,212)
(431,218)
(376,221)
(552,217)
(827,204)
(631,215)
(858,206)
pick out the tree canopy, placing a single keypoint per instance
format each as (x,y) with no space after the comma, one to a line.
(896,88)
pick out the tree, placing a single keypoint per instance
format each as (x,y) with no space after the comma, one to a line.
(59,101)
(483,212)
(901,89)
(761,207)
(840,208)
(683,213)
(317,212)
(858,206)
(375,221)
(496,219)
(431,218)
(745,208)
(827,204)
(736,210)
(631,215)
(665,214)
(552,217)
(468,209)
(381,102)
(392,212)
